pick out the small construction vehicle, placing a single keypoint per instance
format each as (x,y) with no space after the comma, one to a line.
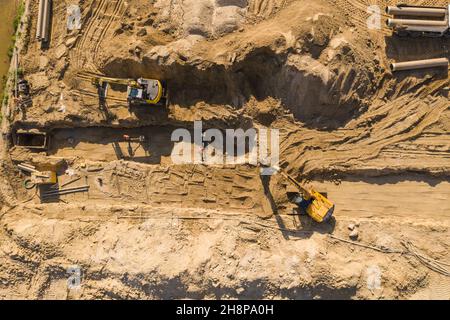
(140,92)
(23,87)
(43,178)
(38,178)
(23,93)
(315,204)
(417,21)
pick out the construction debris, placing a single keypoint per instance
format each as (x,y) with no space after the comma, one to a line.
(27,167)
(61,192)
(70,182)
(354,234)
(29,184)
(433,264)
(43,178)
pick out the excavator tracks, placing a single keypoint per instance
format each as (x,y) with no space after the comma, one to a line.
(104,14)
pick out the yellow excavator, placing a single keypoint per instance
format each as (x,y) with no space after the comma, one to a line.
(140,92)
(315,204)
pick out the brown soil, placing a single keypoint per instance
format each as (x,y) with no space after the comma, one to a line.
(377,143)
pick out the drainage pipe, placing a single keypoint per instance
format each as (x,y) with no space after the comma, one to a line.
(60,191)
(46,20)
(26,168)
(410,22)
(54,195)
(419,64)
(39,20)
(416,11)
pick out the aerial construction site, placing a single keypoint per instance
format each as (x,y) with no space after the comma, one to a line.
(352,201)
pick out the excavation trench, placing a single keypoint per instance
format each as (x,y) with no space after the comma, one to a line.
(149,145)
(315,95)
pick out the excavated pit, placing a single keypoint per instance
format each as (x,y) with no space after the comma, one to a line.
(313,98)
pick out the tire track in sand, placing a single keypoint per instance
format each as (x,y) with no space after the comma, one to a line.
(79,50)
(118,7)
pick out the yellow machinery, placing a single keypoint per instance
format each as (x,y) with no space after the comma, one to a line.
(43,178)
(140,92)
(316,205)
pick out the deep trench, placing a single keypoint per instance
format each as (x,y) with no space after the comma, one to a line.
(262,74)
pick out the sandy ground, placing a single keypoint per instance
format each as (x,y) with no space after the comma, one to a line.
(6,29)
(377,143)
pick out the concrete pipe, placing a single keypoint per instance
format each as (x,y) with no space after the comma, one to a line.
(46,23)
(416,11)
(39,20)
(408,22)
(419,64)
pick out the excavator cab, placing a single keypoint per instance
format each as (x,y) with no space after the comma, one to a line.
(140,92)
(321,209)
(314,203)
(147,92)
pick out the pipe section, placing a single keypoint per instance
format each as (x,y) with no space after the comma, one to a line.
(407,22)
(416,11)
(39,20)
(46,20)
(419,64)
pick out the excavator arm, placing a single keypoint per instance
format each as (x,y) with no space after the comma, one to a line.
(302,189)
(99,81)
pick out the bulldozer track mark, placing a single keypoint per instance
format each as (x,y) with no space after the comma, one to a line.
(100,21)
(113,16)
(397,125)
(92,20)
(358,13)
(407,134)
(101,30)
(432,89)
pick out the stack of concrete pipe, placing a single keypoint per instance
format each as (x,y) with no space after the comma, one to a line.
(417,12)
(43,20)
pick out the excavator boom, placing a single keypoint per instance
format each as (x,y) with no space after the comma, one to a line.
(101,80)
(295,183)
